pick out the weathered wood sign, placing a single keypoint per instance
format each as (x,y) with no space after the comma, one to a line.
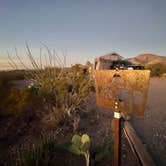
(130,87)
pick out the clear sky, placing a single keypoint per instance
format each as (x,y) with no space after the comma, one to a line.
(84,28)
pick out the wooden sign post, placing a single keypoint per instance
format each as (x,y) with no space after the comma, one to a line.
(121,90)
(116,80)
(117,135)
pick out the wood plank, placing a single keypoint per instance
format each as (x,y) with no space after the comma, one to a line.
(137,145)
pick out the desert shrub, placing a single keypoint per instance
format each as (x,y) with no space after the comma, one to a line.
(157,69)
(13,101)
(61,88)
(55,93)
(5,83)
(64,88)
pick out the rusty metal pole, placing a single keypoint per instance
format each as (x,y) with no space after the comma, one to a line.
(117,134)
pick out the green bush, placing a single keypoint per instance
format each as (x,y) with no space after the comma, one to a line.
(157,69)
(66,89)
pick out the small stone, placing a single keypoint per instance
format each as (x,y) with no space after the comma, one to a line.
(124,156)
(123,145)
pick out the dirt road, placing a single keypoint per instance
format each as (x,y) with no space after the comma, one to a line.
(152,126)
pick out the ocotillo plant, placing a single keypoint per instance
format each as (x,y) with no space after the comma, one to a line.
(61,87)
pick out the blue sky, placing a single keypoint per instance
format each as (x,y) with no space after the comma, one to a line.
(84,28)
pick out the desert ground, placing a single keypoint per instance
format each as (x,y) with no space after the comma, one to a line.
(96,122)
(151,128)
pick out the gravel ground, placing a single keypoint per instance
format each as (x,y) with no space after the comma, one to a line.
(152,126)
(96,122)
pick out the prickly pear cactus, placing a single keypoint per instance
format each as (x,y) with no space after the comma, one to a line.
(80,146)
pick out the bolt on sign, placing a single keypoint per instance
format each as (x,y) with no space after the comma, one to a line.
(128,87)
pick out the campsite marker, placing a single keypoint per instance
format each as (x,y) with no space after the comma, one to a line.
(123,91)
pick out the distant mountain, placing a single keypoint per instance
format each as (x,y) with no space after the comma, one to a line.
(148,59)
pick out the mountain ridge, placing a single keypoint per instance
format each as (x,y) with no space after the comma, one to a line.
(147,59)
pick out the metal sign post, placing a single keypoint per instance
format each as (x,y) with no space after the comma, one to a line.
(121,90)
